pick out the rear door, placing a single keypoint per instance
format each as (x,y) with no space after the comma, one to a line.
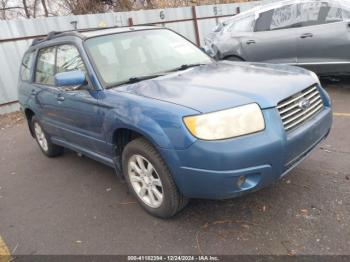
(274,39)
(44,92)
(323,38)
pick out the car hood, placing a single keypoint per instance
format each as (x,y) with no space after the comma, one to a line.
(225,84)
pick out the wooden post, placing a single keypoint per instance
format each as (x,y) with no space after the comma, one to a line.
(130,22)
(195,25)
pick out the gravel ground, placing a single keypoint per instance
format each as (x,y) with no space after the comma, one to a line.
(74,205)
(10,120)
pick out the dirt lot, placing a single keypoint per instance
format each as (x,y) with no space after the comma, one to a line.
(73,205)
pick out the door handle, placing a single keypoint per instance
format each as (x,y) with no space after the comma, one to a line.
(306,35)
(60,98)
(251,42)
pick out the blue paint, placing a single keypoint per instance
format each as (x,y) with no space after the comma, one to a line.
(71,78)
(87,120)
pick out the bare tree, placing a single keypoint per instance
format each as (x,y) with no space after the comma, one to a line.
(79,7)
(46,11)
(26,9)
(36,8)
(8,10)
(3,4)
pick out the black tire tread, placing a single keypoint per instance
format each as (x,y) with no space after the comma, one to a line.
(53,150)
(234,58)
(179,199)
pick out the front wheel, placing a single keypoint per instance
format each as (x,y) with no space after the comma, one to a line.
(150,180)
(234,59)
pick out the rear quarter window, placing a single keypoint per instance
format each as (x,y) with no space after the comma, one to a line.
(26,66)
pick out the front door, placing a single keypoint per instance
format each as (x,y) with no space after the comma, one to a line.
(82,121)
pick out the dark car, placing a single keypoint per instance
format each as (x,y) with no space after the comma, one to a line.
(172,121)
(314,34)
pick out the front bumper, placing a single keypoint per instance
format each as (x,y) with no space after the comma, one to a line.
(214,169)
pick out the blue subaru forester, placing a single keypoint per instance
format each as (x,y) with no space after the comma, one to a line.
(173,122)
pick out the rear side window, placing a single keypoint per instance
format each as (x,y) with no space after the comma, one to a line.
(26,66)
(332,14)
(45,66)
(299,15)
(68,59)
(318,13)
(346,14)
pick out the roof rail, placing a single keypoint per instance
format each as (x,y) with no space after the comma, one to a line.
(37,41)
(52,35)
(74,32)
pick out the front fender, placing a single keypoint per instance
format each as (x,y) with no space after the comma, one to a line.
(139,123)
(229,45)
(160,122)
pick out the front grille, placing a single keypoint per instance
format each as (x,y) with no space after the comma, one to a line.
(299,108)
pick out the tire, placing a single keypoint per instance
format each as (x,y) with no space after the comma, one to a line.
(234,58)
(151,180)
(43,139)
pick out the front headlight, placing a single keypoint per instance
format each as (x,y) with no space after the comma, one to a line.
(225,124)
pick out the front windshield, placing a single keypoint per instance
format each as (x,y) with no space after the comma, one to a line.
(120,57)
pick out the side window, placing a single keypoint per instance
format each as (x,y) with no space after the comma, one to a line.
(243,25)
(285,17)
(310,14)
(68,59)
(263,23)
(279,18)
(318,13)
(299,15)
(45,66)
(26,66)
(346,14)
(331,14)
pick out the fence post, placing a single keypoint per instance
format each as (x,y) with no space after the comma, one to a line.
(130,22)
(195,25)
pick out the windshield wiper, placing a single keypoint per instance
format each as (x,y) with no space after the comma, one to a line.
(184,67)
(135,79)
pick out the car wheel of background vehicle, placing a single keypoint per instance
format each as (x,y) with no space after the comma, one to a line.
(234,58)
(44,142)
(150,180)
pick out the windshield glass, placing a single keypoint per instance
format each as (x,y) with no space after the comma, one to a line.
(120,57)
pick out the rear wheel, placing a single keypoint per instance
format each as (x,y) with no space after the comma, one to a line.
(43,140)
(150,180)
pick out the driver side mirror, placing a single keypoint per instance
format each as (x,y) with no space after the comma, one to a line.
(73,79)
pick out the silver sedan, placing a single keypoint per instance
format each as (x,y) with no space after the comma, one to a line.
(314,34)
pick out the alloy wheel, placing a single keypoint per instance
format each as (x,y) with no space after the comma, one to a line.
(145,181)
(40,136)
